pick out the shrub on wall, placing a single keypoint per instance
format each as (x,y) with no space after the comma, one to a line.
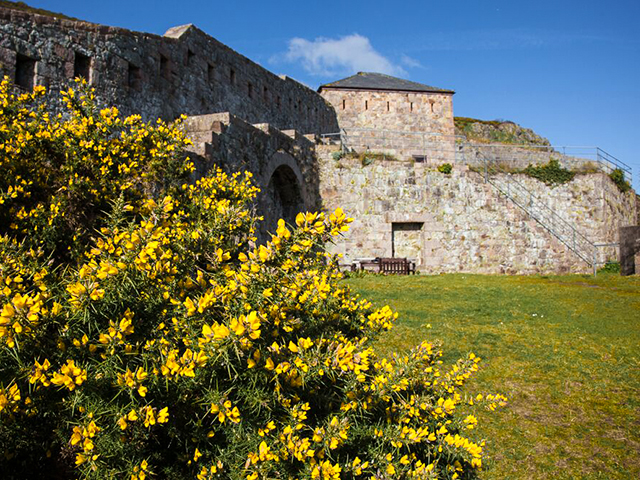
(551,173)
(617,176)
(445,168)
(142,334)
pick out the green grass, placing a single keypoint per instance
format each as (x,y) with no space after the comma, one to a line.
(565,350)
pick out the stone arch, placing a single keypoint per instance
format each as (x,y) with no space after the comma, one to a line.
(284,192)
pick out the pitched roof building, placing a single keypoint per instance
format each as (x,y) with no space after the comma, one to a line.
(405,118)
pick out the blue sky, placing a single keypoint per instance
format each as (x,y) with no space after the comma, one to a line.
(570,70)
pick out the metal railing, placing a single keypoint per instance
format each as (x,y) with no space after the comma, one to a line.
(538,210)
(430,144)
(497,172)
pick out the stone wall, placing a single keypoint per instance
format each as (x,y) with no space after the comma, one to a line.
(457,222)
(184,71)
(629,250)
(283,163)
(396,122)
(514,157)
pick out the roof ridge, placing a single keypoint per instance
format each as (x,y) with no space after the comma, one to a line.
(382,81)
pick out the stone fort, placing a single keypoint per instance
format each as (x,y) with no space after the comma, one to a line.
(447,193)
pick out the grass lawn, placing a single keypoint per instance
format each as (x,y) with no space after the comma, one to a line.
(565,350)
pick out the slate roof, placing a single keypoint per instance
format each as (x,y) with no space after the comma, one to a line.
(380,81)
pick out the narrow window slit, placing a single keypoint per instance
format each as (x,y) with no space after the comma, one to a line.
(81,66)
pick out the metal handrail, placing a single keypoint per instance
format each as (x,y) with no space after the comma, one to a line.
(519,194)
(595,153)
(584,248)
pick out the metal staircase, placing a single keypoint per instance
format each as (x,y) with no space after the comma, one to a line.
(518,193)
(422,145)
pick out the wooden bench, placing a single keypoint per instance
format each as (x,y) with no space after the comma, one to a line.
(397,266)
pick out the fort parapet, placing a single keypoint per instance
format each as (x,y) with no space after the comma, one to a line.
(185,71)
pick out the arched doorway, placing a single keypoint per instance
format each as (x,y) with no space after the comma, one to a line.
(282,199)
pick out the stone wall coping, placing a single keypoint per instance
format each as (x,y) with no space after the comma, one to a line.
(175,34)
(211,123)
(396,217)
(381,90)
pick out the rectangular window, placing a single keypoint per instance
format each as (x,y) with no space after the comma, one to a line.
(250,89)
(25,72)
(411,106)
(82,66)
(265,94)
(134,77)
(165,67)
(232,76)
(387,106)
(344,104)
(211,73)
(366,104)
(278,101)
(419,158)
(189,58)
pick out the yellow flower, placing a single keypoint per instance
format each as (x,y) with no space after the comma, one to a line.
(163,415)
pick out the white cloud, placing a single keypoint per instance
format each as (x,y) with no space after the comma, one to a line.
(410,62)
(345,55)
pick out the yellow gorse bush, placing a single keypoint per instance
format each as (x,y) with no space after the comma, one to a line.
(143,333)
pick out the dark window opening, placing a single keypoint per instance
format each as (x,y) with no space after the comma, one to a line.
(189,57)
(165,67)
(25,72)
(250,89)
(265,94)
(134,76)
(387,106)
(232,76)
(81,66)
(211,73)
(366,104)
(278,101)
(419,158)
(344,104)
(411,106)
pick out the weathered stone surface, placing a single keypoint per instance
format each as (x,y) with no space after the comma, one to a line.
(497,131)
(183,72)
(463,223)
(629,250)
(283,164)
(396,122)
